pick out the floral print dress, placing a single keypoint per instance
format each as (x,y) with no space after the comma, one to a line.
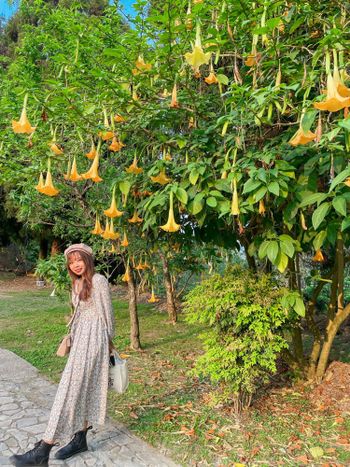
(82,392)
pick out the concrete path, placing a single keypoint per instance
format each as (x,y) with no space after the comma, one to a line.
(25,403)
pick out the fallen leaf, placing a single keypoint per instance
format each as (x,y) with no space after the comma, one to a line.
(316,452)
(303,459)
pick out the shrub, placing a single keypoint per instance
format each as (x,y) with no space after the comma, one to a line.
(244,337)
(54,271)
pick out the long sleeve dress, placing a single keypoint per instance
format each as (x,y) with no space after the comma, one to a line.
(82,392)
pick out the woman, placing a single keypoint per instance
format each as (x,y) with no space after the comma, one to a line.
(81,397)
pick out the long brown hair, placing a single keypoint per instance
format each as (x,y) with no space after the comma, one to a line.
(85,292)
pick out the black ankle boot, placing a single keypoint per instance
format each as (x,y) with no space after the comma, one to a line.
(76,445)
(39,455)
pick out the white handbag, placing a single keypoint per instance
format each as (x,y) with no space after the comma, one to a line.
(118,372)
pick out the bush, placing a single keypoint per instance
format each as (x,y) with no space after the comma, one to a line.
(54,271)
(245,321)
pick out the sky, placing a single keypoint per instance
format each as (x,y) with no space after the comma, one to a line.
(7,11)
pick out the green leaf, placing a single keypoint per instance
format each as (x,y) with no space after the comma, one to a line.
(181,142)
(274,188)
(319,214)
(339,204)
(287,247)
(272,250)
(339,178)
(345,124)
(260,193)
(345,224)
(263,249)
(299,306)
(212,202)
(198,204)
(181,195)
(251,185)
(282,262)
(319,239)
(223,79)
(194,176)
(312,198)
(308,120)
(124,187)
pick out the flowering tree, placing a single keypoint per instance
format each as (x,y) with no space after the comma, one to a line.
(223,122)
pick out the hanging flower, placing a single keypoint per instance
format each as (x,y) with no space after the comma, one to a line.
(40,185)
(55,149)
(347,182)
(302,221)
(109,233)
(197,57)
(153,298)
(106,135)
(235,201)
(92,153)
(188,21)
(92,173)
(125,241)
(302,137)
(334,101)
(174,103)
(74,176)
(106,232)
(98,230)
(191,123)
(318,257)
(262,208)
(23,125)
(341,88)
(133,168)
(211,79)
(116,145)
(141,66)
(126,276)
(161,178)
(135,218)
(113,211)
(145,265)
(49,189)
(171,225)
(139,267)
(119,118)
(113,249)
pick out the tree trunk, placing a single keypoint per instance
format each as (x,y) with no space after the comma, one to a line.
(170,300)
(335,318)
(55,247)
(296,332)
(43,248)
(134,319)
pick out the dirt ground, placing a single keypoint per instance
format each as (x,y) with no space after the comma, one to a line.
(11,283)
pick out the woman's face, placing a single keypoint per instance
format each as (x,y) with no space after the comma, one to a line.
(76,264)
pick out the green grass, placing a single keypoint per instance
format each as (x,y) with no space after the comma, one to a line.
(166,406)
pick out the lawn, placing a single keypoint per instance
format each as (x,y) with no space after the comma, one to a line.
(168,407)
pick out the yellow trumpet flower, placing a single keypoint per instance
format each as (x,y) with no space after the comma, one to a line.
(125,241)
(116,145)
(161,178)
(139,267)
(92,173)
(347,182)
(135,218)
(49,189)
(113,211)
(302,137)
(174,103)
(92,153)
(106,135)
(74,176)
(113,249)
(126,276)
(334,101)
(235,201)
(318,257)
(23,125)
(55,149)
(98,230)
(133,168)
(262,208)
(119,118)
(40,185)
(171,225)
(153,298)
(302,221)
(197,57)
(211,79)
(106,232)
(141,65)
(109,233)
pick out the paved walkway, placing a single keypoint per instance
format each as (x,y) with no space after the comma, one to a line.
(25,403)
